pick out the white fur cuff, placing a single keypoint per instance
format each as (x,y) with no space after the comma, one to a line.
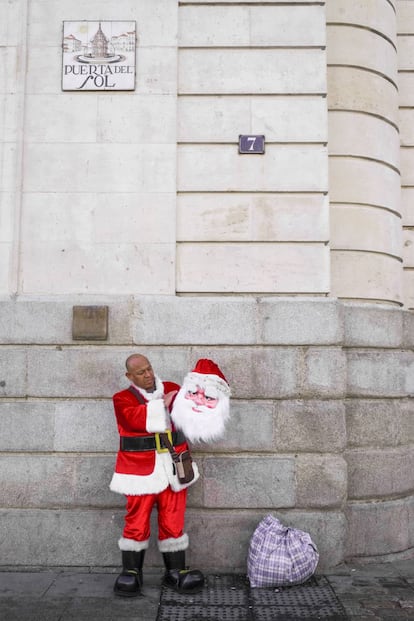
(156,416)
(130,545)
(173,545)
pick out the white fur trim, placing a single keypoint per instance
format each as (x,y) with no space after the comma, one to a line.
(130,545)
(173,545)
(136,485)
(157,419)
(158,393)
(154,483)
(206,379)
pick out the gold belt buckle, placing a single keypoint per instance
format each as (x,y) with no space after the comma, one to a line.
(158,446)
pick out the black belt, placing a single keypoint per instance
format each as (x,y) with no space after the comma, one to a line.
(149,443)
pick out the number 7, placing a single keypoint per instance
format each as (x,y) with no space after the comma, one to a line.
(252,140)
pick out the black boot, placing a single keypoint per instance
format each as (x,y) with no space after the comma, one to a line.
(129,582)
(179,578)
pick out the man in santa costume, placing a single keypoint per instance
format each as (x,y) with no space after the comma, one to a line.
(145,472)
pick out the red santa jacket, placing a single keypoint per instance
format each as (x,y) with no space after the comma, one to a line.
(145,471)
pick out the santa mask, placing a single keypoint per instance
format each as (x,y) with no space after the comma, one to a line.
(202,405)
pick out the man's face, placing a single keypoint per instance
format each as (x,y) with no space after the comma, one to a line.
(199,398)
(141,374)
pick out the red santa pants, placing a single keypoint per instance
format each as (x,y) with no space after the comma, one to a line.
(171,512)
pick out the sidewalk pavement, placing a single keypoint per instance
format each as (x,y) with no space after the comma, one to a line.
(368,592)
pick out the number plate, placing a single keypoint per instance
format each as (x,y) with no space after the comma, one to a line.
(251,144)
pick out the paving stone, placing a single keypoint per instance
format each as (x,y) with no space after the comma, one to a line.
(376,592)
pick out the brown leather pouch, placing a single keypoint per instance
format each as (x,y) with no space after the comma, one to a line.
(184,466)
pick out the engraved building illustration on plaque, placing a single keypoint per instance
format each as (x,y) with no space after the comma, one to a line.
(98,55)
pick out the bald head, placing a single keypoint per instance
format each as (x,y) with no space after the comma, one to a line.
(135,359)
(140,372)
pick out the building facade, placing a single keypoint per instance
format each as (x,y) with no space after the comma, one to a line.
(129,221)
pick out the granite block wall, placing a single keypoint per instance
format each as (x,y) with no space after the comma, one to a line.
(321,434)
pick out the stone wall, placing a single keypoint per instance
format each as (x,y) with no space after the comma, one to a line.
(405,29)
(245,223)
(137,192)
(144,192)
(321,433)
(140,201)
(364,151)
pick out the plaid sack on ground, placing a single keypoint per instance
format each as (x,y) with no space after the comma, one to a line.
(280,555)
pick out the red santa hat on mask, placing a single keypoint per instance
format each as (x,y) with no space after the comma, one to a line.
(203,423)
(207,374)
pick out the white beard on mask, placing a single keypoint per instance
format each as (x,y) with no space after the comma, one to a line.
(204,425)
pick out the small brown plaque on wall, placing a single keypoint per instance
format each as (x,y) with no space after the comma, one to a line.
(90,323)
